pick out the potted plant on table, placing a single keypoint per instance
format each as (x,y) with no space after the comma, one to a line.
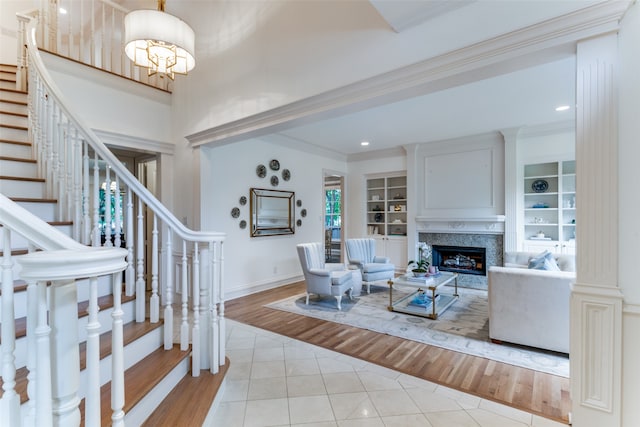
(421,265)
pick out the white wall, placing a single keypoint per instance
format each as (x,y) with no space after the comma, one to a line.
(629,211)
(227,173)
(8,27)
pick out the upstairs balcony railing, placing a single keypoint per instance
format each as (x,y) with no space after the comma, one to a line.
(88,31)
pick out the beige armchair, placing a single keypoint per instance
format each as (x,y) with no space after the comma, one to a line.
(323,278)
(362,253)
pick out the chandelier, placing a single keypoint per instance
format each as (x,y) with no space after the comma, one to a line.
(159,41)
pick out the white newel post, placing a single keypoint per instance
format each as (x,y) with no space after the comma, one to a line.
(10,401)
(596,300)
(65,359)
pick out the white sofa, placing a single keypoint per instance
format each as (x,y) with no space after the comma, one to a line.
(531,307)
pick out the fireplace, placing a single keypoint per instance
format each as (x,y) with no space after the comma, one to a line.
(460,259)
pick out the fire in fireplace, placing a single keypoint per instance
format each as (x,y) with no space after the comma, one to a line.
(460,259)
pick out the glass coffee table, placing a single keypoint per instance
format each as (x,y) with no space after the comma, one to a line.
(420,302)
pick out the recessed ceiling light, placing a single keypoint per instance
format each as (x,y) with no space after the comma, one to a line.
(364,143)
(562,108)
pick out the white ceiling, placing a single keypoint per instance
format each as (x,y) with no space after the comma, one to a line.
(526,97)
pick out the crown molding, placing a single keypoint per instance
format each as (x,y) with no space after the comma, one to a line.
(134,143)
(535,43)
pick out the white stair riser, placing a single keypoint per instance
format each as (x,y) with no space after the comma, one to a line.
(15,150)
(143,409)
(10,134)
(13,96)
(13,120)
(12,107)
(46,211)
(104,317)
(19,169)
(26,189)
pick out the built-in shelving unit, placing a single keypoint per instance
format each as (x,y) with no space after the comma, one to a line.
(550,206)
(387,215)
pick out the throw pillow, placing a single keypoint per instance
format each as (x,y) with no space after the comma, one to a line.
(537,261)
(547,262)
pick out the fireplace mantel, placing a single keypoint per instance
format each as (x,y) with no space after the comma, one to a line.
(480,225)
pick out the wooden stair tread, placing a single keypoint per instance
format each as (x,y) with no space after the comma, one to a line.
(18,159)
(15,91)
(12,101)
(33,200)
(22,178)
(140,379)
(60,222)
(189,402)
(131,332)
(11,141)
(13,127)
(104,302)
(11,113)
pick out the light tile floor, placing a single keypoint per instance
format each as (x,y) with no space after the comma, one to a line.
(278,381)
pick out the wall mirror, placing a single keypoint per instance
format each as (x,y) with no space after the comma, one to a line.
(272,212)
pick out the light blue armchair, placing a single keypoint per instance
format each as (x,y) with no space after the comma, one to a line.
(323,278)
(362,253)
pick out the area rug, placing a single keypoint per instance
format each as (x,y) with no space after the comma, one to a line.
(464,327)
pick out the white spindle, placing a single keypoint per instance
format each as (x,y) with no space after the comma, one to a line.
(154,302)
(43,361)
(140,284)
(86,190)
(10,401)
(68,167)
(78,225)
(195,333)
(117,354)
(107,207)
(48,143)
(205,314)
(130,273)
(32,323)
(118,215)
(92,399)
(168,309)
(96,201)
(56,143)
(184,324)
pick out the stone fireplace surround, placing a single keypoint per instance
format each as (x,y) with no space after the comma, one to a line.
(492,242)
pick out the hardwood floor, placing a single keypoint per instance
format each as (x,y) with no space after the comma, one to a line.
(539,393)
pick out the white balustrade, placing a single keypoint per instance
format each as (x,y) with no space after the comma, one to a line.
(72,159)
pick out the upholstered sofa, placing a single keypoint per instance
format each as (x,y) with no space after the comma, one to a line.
(529,306)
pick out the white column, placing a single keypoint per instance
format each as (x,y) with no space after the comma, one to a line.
(513,194)
(92,399)
(195,332)
(596,300)
(117,353)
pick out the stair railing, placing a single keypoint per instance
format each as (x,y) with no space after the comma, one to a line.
(87,31)
(52,324)
(73,159)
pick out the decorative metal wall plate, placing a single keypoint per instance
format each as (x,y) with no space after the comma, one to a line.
(243,200)
(298,203)
(235,212)
(286,175)
(299,222)
(303,213)
(274,165)
(275,181)
(243,224)
(261,171)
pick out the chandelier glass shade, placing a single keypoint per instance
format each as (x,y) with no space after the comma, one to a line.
(159,41)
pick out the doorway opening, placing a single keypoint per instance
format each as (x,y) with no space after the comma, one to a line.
(333,236)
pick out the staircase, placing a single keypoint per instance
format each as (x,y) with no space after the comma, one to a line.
(155,388)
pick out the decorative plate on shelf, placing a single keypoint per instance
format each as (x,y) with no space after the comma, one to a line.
(274,165)
(261,171)
(539,186)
